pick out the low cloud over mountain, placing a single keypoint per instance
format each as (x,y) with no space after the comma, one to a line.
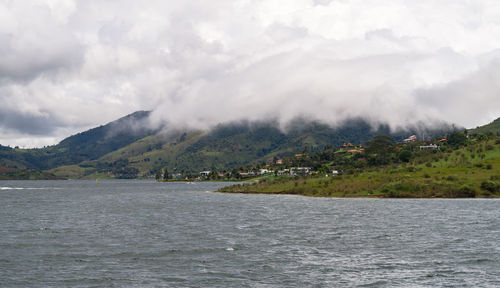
(70,65)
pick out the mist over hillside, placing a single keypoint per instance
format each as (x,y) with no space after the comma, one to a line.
(134,146)
(67,66)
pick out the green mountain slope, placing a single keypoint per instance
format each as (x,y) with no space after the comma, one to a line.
(492,128)
(88,145)
(127,148)
(224,147)
(472,170)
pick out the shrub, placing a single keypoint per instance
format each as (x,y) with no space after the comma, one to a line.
(489,166)
(427,175)
(495,177)
(489,147)
(428,164)
(490,186)
(465,191)
(405,156)
(497,141)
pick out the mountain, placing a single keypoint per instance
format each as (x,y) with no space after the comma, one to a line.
(226,146)
(128,148)
(491,128)
(85,146)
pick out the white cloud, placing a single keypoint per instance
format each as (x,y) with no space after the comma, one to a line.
(71,65)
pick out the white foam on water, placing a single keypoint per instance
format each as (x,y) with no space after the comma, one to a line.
(27,188)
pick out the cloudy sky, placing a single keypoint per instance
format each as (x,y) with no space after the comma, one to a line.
(69,65)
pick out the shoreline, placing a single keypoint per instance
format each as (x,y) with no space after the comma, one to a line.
(354,196)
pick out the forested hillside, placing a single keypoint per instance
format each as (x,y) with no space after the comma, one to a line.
(130,148)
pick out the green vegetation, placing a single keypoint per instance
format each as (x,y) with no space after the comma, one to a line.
(489,130)
(463,169)
(126,149)
(8,173)
(86,146)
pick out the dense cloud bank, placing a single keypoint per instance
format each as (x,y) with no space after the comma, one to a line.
(70,65)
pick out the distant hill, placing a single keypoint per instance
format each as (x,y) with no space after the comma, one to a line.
(127,148)
(85,146)
(225,147)
(491,128)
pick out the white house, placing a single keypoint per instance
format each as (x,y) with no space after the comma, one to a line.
(205,173)
(412,138)
(300,171)
(431,146)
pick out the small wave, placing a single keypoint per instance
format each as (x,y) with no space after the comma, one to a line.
(29,188)
(11,188)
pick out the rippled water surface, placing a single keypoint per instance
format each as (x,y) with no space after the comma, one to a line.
(147,234)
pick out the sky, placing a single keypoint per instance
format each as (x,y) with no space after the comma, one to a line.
(68,65)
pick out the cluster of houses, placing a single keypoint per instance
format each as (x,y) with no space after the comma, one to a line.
(293,171)
(351,148)
(303,171)
(429,146)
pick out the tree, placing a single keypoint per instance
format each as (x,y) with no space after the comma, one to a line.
(158,175)
(405,156)
(380,149)
(457,139)
(165,174)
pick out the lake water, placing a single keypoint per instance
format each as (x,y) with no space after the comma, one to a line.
(148,234)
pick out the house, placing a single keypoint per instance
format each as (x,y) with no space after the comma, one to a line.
(334,173)
(356,150)
(347,146)
(430,146)
(300,171)
(411,139)
(284,172)
(279,161)
(205,173)
(264,171)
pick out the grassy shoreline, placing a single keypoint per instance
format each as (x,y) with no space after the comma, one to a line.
(472,171)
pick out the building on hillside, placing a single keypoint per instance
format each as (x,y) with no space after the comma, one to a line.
(279,161)
(347,146)
(205,173)
(411,139)
(283,172)
(300,171)
(264,171)
(430,146)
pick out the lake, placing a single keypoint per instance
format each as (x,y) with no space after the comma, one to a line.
(130,233)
